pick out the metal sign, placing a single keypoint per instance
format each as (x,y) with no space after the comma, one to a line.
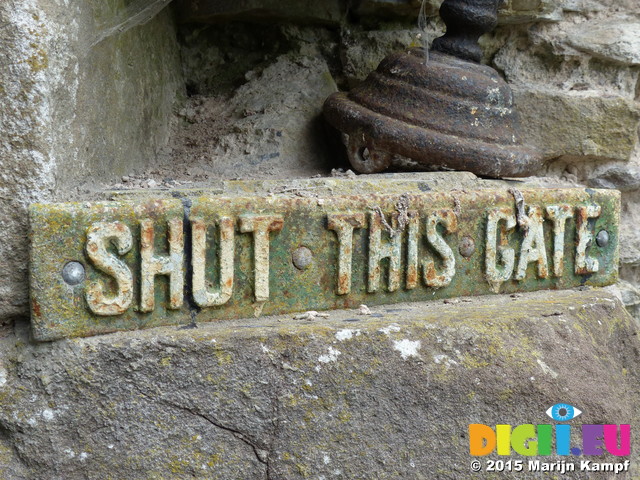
(125,265)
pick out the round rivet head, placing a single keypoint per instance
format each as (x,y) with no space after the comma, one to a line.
(302,258)
(602,239)
(73,273)
(467,247)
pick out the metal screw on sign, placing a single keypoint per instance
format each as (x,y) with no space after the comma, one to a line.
(73,273)
(467,247)
(302,258)
(602,239)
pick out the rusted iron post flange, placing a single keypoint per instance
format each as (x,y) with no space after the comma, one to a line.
(440,110)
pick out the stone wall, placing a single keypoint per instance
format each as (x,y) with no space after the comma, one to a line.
(86,94)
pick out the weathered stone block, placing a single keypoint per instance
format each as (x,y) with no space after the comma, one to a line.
(529,11)
(582,6)
(630,235)
(621,177)
(630,295)
(86,93)
(585,6)
(611,40)
(364,50)
(274,398)
(585,123)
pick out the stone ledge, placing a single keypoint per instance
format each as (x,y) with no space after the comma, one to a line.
(342,397)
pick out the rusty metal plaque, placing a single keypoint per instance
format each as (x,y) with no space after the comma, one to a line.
(125,265)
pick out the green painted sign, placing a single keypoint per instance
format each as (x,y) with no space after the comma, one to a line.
(125,265)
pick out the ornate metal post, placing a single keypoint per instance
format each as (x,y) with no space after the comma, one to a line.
(466,21)
(449,111)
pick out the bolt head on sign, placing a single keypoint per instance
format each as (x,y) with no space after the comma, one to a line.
(125,265)
(73,273)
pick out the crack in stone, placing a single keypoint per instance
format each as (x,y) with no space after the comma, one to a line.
(260,454)
(276,427)
(263,455)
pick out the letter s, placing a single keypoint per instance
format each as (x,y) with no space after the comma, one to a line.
(97,237)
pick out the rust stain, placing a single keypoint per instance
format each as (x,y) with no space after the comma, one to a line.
(344,282)
(147,235)
(417,115)
(430,275)
(35,307)
(412,276)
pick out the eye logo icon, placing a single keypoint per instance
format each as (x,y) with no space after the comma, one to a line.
(563,412)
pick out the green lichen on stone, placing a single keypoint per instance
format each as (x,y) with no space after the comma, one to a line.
(39,60)
(578,124)
(372,407)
